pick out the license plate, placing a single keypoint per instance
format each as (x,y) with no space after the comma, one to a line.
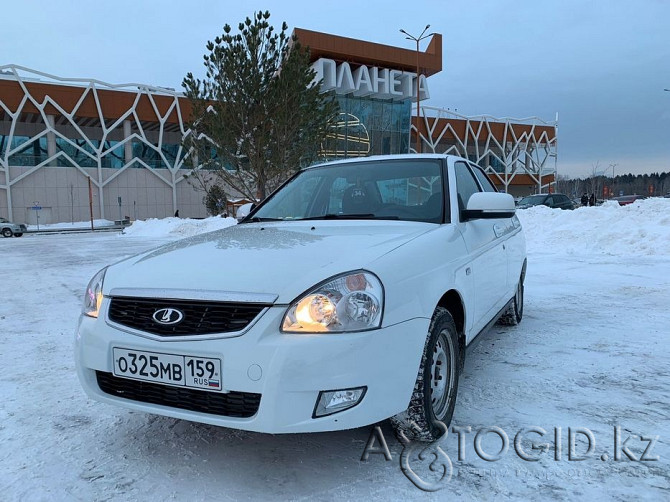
(172,369)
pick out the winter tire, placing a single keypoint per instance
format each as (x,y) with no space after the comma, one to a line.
(514,313)
(6,232)
(436,386)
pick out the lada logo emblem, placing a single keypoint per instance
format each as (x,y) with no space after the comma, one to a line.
(168,316)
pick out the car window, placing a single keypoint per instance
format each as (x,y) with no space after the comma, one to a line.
(397,189)
(549,201)
(297,201)
(465,184)
(483,179)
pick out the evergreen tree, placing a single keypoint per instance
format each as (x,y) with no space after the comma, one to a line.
(257,116)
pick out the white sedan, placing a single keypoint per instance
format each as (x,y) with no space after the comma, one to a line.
(345,298)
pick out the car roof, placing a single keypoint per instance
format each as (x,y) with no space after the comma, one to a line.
(377,158)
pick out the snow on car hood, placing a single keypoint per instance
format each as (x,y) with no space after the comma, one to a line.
(279,258)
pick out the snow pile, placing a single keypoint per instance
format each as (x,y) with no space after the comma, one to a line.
(73,225)
(641,228)
(176,227)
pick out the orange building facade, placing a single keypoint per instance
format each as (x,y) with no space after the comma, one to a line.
(57,135)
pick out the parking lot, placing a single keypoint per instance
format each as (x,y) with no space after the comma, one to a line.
(591,353)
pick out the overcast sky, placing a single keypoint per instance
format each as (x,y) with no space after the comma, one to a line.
(602,65)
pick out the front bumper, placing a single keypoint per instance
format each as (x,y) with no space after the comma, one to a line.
(287,370)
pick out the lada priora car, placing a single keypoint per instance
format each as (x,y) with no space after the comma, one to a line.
(345,298)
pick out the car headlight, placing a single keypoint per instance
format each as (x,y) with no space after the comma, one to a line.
(349,302)
(93,295)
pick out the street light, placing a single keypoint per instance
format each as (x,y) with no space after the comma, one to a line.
(612,165)
(418,109)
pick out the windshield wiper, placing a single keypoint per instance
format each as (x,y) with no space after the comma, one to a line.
(360,216)
(256,219)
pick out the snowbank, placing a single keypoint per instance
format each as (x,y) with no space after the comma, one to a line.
(73,225)
(176,227)
(641,228)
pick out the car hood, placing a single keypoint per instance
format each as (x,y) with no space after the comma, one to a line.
(283,259)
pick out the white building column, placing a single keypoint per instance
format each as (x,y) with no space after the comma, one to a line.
(51,138)
(127,147)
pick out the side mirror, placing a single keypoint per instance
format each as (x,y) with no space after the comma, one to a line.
(489,205)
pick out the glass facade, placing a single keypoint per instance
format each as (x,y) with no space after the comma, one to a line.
(32,154)
(148,155)
(497,165)
(32,151)
(368,126)
(365,126)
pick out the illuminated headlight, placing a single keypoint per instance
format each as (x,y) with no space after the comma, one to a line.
(93,295)
(332,401)
(350,302)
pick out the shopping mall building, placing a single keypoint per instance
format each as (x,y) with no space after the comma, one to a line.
(63,139)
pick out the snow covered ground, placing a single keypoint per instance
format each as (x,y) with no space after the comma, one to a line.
(72,225)
(592,352)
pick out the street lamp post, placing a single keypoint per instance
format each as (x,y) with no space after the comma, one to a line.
(418,109)
(612,165)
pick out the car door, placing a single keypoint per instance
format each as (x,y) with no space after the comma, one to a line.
(508,229)
(485,244)
(563,201)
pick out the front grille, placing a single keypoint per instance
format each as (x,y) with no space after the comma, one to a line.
(232,404)
(199,317)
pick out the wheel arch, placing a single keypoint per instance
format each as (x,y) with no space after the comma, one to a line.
(453,302)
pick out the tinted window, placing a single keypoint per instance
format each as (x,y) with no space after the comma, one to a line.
(465,184)
(483,179)
(532,200)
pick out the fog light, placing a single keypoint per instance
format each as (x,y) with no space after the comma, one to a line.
(334,401)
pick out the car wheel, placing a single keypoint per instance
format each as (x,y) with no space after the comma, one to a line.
(514,313)
(432,404)
(6,232)
(18,235)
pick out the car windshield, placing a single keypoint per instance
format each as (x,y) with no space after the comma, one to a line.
(386,190)
(533,200)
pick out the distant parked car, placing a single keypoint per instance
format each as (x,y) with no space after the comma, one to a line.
(624,200)
(9,229)
(553,200)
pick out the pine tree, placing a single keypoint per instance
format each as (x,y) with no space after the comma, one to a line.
(257,116)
